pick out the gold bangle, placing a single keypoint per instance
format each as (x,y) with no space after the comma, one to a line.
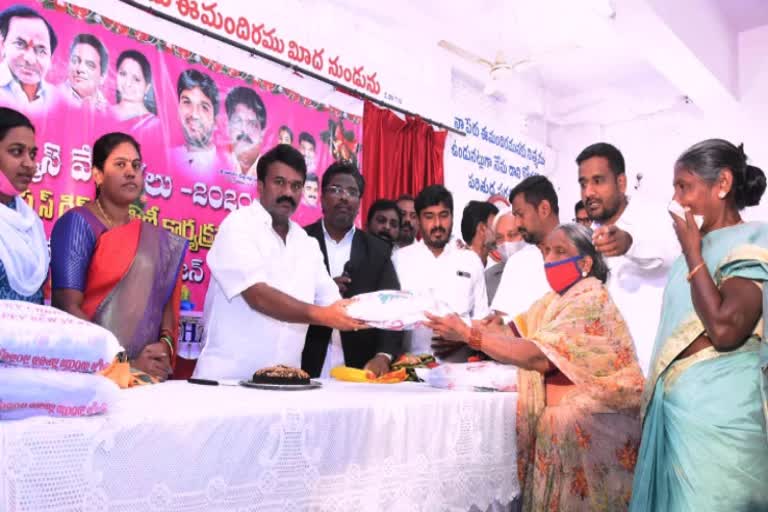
(695,269)
(475,339)
(167,339)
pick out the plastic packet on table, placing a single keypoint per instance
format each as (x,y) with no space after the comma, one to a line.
(43,337)
(26,392)
(396,310)
(477,376)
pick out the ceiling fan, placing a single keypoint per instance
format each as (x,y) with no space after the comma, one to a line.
(498,69)
(501,69)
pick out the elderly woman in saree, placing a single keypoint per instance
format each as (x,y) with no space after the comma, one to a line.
(23,246)
(119,272)
(704,443)
(579,382)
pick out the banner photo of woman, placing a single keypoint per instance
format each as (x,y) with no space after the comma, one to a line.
(202,126)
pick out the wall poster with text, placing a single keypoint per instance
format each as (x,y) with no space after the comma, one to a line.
(202,126)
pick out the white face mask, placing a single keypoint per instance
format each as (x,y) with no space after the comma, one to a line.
(508,249)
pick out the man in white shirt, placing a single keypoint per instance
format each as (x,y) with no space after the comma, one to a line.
(637,241)
(359,263)
(437,266)
(536,211)
(88,59)
(267,276)
(28,43)
(476,221)
(508,243)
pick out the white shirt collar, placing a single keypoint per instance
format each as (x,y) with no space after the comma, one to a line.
(347,237)
(263,216)
(9,82)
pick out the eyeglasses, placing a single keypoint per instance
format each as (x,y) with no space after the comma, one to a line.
(337,191)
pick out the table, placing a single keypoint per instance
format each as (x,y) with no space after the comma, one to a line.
(345,447)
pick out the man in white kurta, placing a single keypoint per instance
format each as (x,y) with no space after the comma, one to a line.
(257,263)
(436,265)
(536,211)
(636,239)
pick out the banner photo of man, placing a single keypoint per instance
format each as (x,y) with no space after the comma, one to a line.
(202,126)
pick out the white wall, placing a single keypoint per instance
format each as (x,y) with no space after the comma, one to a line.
(652,144)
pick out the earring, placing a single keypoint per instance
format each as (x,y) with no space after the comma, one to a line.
(721,194)
(584,273)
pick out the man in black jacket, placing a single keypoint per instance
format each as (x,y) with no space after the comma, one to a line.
(359,263)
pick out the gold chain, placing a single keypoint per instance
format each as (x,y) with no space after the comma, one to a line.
(104,214)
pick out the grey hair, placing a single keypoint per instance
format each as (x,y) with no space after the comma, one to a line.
(581,236)
(708,158)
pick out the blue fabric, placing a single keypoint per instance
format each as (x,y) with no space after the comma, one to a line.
(704,441)
(704,444)
(72,245)
(8,293)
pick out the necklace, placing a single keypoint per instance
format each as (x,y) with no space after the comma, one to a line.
(104,214)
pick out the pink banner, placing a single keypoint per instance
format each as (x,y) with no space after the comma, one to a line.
(201,125)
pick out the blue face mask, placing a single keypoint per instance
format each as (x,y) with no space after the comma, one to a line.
(563,274)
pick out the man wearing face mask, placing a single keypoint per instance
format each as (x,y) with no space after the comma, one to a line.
(635,238)
(535,210)
(435,265)
(508,242)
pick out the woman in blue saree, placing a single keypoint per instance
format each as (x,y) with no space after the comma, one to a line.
(704,444)
(116,271)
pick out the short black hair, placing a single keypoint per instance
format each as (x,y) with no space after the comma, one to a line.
(433,195)
(344,168)
(21,11)
(474,213)
(94,43)
(105,144)
(405,197)
(249,98)
(282,153)
(382,205)
(191,78)
(311,177)
(579,206)
(306,137)
(10,119)
(607,151)
(536,188)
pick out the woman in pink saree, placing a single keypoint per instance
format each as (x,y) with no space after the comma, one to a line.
(579,383)
(118,272)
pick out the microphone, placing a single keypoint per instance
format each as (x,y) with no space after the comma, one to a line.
(348,269)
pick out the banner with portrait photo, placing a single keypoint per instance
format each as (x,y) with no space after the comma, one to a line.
(202,126)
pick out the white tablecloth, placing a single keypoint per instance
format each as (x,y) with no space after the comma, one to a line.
(183,447)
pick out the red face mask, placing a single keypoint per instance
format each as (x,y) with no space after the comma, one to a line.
(563,274)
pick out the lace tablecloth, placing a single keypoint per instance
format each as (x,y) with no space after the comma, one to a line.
(345,447)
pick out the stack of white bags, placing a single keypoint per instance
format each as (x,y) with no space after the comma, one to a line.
(477,376)
(49,362)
